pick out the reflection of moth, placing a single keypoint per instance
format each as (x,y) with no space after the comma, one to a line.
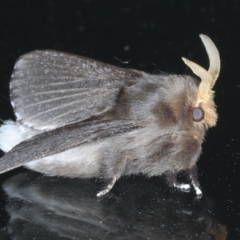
(58,208)
(77,117)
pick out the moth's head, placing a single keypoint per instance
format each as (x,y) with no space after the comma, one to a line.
(204,110)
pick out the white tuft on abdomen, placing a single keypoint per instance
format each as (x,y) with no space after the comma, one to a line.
(10,136)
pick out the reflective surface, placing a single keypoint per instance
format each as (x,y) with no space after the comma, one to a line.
(147,35)
(68,208)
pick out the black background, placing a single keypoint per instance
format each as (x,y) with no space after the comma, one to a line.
(152,36)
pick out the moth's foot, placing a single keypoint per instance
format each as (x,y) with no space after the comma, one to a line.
(103,192)
(107,189)
(182,186)
(198,191)
(195,182)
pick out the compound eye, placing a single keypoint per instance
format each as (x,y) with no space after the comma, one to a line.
(197,114)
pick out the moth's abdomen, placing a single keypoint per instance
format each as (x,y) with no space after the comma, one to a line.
(82,162)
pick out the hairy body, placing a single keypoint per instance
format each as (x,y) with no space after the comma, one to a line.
(77,117)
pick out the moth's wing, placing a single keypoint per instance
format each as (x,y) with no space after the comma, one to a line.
(63,138)
(51,89)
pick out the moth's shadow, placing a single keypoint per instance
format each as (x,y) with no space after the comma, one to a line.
(42,207)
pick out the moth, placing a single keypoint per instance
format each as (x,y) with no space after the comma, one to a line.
(77,117)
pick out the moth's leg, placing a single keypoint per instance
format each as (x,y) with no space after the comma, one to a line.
(194,179)
(107,188)
(172,181)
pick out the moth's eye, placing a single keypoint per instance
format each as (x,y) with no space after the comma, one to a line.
(197,114)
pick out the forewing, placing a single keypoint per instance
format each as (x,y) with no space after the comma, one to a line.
(51,89)
(64,138)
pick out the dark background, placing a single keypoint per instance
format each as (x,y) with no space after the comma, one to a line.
(152,35)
